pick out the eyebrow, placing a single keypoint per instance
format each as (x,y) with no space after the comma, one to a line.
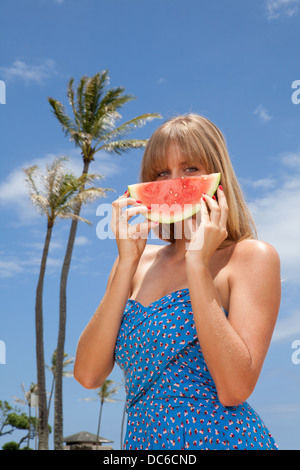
(184,162)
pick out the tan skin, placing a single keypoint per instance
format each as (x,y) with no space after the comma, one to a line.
(243,278)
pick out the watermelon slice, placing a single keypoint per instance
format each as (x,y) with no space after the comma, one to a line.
(175,199)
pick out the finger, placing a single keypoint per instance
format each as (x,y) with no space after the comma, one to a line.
(215,212)
(204,211)
(142,229)
(117,207)
(119,204)
(223,206)
(123,201)
(128,213)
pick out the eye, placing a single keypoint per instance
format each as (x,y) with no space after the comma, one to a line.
(191,169)
(161,174)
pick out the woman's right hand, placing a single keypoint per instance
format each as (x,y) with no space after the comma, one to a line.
(131,239)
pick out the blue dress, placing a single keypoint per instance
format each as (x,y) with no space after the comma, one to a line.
(172,401)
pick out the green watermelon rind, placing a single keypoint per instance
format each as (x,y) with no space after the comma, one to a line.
(187,212)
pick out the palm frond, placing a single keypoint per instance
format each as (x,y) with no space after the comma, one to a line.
(113,99)
(107,112)
(80,101)
(71,97)
(32,187)
(91,194)
(67,123)
(122,146)
(129,126)
(96,111)
(83,197)
(88,178)
(56,193)
(71,215)
(41,203)
(92,98)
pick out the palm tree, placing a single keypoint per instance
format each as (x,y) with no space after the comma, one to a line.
(123,416)
(55,194)
(105,392)
(27,401)
(66,373)
(92,127)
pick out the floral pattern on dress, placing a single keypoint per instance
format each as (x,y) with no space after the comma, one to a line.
(172,401)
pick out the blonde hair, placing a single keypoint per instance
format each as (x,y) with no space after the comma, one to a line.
(201,142)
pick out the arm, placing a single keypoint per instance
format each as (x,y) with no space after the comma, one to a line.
(235,348)
(95,350)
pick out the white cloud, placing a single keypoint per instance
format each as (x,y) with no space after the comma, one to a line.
(277,8)
(81,241)
(263,114)
(277,216)
(288,327)
(12,266)
(264,183)
(9,268)
(13,190)
(29,73)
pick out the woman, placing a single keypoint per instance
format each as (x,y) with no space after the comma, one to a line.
(189,322)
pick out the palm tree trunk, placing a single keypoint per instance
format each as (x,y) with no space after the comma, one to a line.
(99,422)
(122,426)
(40,359)
(30,424)
(58,395)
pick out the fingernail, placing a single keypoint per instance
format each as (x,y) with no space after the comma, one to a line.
(203,199)
(214,197)
(139,202)
(149,207)
(220,187)
(126,192)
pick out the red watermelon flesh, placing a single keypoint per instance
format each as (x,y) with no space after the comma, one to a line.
(176,199)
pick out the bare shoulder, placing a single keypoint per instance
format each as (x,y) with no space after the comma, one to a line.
(255,255)
(256,248)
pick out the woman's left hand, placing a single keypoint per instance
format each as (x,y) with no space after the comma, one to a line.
(212,230)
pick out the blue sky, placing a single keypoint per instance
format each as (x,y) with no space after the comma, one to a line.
(234,62)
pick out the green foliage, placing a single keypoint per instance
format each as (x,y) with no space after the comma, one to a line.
(10,446)
(57,193)
(12,419)
(95,112)
(18,421)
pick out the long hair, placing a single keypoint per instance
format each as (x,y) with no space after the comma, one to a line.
(200,141)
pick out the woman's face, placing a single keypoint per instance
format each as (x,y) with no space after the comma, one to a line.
(176,166)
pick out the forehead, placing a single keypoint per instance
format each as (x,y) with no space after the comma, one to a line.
(173,154)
